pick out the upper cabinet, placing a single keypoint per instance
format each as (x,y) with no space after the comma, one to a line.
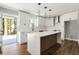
(23,22)
(70,16)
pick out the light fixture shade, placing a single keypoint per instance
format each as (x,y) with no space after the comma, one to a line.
(50,12)
(45,11)
(50,9)
(39,3)
(39,9)
(45,7)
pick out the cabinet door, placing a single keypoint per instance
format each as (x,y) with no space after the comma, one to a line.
(73,16)
(70,16)
(51,41)
(24,22)
(43,44)
(47,42)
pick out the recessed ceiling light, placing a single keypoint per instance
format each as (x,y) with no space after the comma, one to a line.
(39,3)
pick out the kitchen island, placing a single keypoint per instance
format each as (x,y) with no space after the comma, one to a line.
(39,42)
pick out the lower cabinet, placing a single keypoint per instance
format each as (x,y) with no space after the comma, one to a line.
(47,42)
(0,50)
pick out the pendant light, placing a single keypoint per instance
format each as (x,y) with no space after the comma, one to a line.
(49,12)
(39,4)
(45,10)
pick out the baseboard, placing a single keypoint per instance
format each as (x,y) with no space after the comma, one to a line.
(24,43)
(29,53)
(72,39)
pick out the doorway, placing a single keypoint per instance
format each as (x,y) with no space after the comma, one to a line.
(9,30)
(71,30)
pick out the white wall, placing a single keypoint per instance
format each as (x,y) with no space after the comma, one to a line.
(78,26)
(62,26)
(0,29)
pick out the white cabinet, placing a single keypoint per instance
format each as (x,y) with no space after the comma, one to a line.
(23,27)
(23,37)
(24,22)
(70,16)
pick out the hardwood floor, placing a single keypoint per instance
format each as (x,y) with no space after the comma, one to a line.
(66,48)
(14,49)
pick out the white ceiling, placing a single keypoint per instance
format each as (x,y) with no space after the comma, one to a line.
(57,8)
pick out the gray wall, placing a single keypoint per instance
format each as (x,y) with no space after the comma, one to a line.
(67,28)
(71,29)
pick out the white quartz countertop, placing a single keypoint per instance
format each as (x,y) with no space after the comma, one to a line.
(45,33)
(33,40)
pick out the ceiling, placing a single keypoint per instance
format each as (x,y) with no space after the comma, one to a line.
(57,8)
